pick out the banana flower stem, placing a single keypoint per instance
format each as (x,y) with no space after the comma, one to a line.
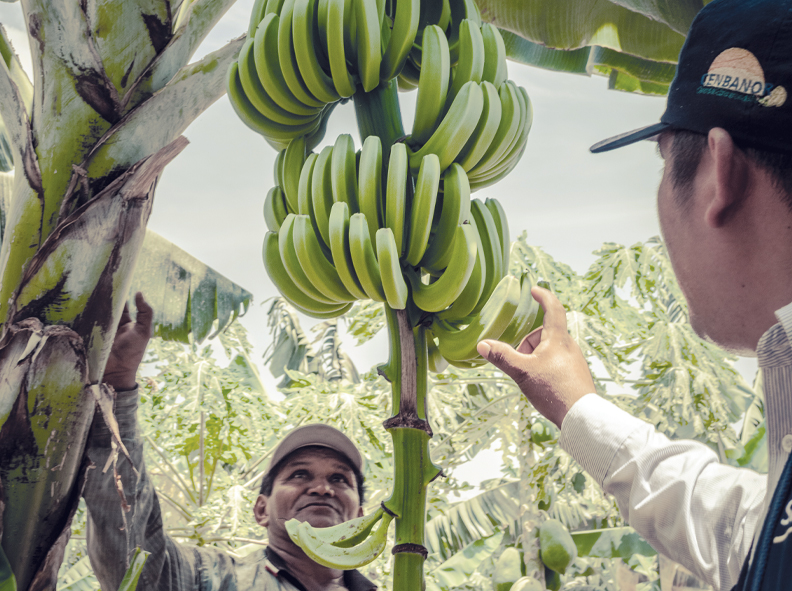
(378,113)
(407,371)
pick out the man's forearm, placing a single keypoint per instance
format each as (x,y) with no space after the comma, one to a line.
(114,533)
(676,494)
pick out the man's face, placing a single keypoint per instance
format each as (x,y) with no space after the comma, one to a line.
(703,261)
(315,485)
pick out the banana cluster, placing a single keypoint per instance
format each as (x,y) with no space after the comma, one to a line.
(303,56)
(343,226)
(345,546)
(468,111)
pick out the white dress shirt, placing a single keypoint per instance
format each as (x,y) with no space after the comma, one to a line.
(675,493)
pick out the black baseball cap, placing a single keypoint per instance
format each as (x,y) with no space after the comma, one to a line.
(733,72)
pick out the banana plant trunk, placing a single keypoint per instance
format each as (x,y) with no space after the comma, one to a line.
(407,370)
(530,519)
(110,95)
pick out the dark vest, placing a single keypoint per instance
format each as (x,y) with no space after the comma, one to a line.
(771,566)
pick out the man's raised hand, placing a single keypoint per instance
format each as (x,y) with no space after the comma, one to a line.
(548,366)
(129,346)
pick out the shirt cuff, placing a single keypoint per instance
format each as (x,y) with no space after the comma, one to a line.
(593,431)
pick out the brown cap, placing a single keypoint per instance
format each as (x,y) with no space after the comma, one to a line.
(321,435)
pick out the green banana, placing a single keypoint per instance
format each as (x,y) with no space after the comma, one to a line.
(258,96)
(344,535)
(274,6)
(277,168)
(273,263)
(457,344)
(344,172)
(332,556)
(275,133)
(275,209)
(370,184)
(322,193)
(508,129)
(318,83)
(287,58)
(454,206)
(291,262)
(396,194)
(460,11)
(318,269)
(369,51)
(304,194)
(293,160)
(444,291)
(393,283)
(470,66)
(423,206)
(265,54)
(512,157)
(432,84)
(524,316)
(490,240)
(405,27)
(256,16)
(436,361)
(342,79)
(364,258)
(456,128)
(486,130)
(467,300)
(495,69)
(339,248)
(502,226)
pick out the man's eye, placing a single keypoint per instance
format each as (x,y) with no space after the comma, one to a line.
(299,474)
(340,478)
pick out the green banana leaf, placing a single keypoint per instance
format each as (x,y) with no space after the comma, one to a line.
(191,301)
(136,564)
(7,579)
(634,43)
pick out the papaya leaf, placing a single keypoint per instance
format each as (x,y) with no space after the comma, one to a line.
(616,542)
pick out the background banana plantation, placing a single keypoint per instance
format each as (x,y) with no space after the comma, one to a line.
(86,134)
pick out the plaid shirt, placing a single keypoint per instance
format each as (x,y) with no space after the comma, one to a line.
(171,566)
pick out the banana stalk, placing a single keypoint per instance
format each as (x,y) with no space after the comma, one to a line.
(378,113)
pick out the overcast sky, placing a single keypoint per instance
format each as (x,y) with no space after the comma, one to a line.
(209,200)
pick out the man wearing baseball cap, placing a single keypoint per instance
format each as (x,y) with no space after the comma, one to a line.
(314,475)
(725,209)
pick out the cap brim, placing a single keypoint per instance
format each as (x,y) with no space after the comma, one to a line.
(625,139)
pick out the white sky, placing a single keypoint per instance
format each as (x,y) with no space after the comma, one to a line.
(209,200)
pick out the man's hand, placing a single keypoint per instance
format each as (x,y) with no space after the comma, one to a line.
(548,365)
(129,346)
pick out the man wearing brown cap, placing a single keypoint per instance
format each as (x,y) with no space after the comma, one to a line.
(315,475)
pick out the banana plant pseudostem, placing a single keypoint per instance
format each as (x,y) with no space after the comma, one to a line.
(87,139)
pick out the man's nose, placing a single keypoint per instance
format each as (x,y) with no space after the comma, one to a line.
(321,487)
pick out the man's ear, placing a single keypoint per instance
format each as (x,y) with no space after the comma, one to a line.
(360,512)
(730,172)
(260,511)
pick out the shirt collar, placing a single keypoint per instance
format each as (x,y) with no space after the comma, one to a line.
(353,580)
(774,347)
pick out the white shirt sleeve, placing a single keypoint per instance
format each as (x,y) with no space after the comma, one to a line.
(675,493)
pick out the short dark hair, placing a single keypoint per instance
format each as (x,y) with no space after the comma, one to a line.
(269,478)
(687,149)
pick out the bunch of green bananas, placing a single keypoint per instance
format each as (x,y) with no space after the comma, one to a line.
(303,56)
(469,112)
(342,229)
(344,546)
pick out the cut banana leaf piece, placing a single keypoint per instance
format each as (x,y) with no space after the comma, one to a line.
(190,299)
